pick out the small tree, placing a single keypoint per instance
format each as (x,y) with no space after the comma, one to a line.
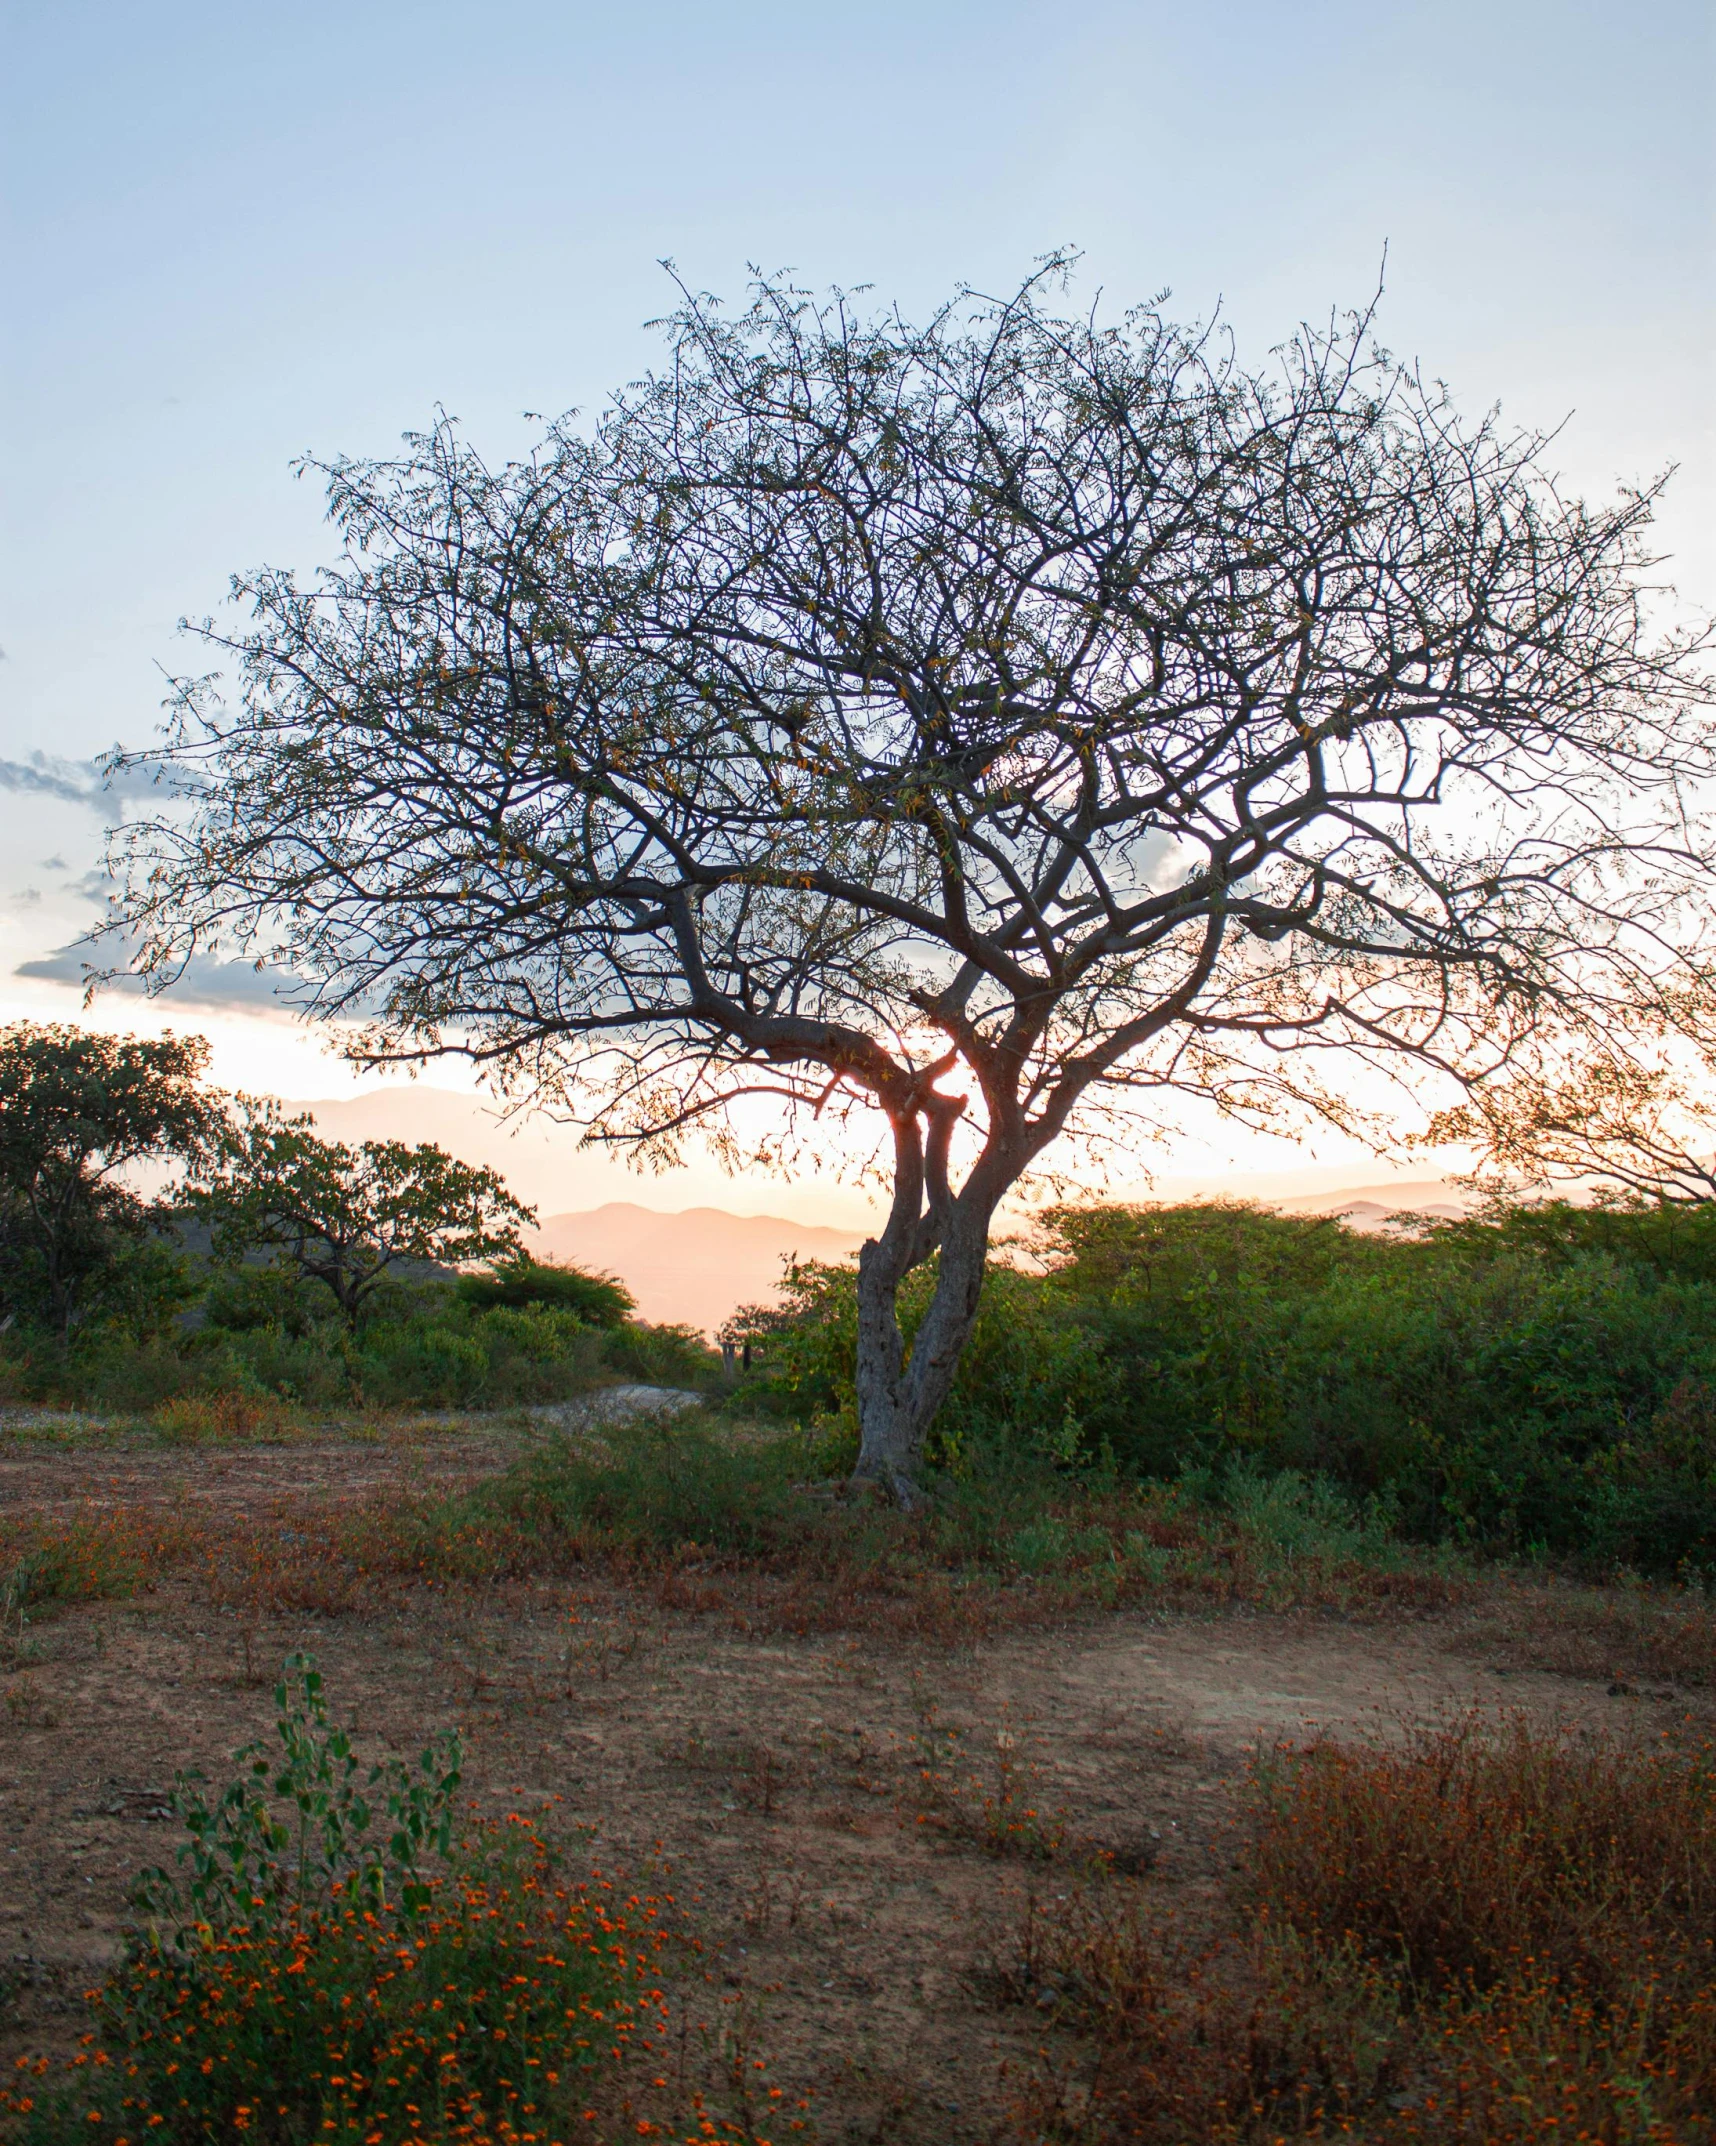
(78,1111)
(975,724)
(347,1215)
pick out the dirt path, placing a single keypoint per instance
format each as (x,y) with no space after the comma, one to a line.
(784,1779)
(115,1471)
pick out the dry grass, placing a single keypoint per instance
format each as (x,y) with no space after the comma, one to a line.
(733,1532)
(1300,2010)
(92,1553)
(1479,1937)
(1626,1632)
(211,1418)
(707,1522)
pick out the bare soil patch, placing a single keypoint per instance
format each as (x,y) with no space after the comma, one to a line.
(820,1800)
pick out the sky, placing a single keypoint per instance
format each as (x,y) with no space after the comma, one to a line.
(237,234)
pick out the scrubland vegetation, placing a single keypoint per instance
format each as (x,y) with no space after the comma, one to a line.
(1541,1381)
(1485,1927)
(1492,1929)
(1484,1934)
(253,1348)
(273,1272)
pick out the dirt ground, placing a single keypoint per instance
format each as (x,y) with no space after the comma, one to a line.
(781,1779)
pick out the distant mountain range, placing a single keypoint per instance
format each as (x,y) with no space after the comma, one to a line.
(1368,1207)
(694,1268)
(697,1265)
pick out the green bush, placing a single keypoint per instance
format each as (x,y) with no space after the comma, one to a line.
(522,1282)
(422,1347)
(1541,1380)
(432,1364)
(247,1299)
(662,1356)
(334,1959)
(659,1485)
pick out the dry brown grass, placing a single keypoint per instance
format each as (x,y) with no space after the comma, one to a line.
(1625,1632)
(359,1556)
(1479,1936)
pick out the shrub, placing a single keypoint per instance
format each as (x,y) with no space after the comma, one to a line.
(264,1294)
(658,1485)
(191,1418)
(290,1837)
(420,1346)
(1476,1936)
(316,1975)
(513,1284)
(1470,1851)
(96,1554)
(661,1355)
(433,1364)
(1531,1383)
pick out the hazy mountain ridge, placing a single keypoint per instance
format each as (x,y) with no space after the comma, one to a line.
(695,1265)
(693,1268)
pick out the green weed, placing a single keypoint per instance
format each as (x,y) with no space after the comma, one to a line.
(314,1970)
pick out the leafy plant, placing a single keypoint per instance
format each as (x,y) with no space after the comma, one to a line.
(293,1830)
(519,1281)
(325,1983)
(1537,1380)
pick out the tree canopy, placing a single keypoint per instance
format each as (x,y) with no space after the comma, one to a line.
(79,1111)
(346,1215)
(976,723)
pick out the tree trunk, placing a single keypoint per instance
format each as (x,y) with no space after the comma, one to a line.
(897,1399)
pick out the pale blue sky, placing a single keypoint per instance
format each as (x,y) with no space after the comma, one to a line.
(237,232)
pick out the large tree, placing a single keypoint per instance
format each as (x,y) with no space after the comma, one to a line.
(972,723)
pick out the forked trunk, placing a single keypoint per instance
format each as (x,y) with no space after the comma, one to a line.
(898,1398)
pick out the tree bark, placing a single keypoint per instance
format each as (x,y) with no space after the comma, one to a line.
(897,1398)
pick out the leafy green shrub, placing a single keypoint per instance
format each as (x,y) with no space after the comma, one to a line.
(1511,1383)
(660,1485)
(1051,1544)
(320,1974)
(520,1282)
(421,1346)
(265,1294)
(288,1837)
(433,1364)
(539,1333)
(662,1356)
(1294,1516)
